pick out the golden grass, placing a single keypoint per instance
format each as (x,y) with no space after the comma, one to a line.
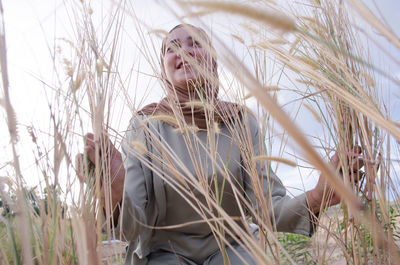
(334,81)
(276,159)
(273,19)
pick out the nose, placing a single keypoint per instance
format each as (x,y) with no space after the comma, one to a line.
(188,50)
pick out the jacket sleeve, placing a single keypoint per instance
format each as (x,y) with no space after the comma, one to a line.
(287,214)
(133,218)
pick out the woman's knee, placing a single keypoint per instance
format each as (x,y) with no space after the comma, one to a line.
(236,256)
(167,258)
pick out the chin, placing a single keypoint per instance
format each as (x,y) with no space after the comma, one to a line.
(188,82)
(194,82)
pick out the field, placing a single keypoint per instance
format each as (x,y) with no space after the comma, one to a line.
(302,249)
(309,73)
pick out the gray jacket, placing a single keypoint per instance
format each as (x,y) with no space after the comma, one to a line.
(145,204)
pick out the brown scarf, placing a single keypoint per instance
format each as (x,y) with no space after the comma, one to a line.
(212,108)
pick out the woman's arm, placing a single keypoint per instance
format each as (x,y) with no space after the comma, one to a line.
(298,214)
(136,192)
(318,198)
(112,169)
(113,166)
(286,214)
(128,185)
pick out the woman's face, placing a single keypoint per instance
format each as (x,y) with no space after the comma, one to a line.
(185,59)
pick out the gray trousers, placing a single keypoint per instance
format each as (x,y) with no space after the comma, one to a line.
(168,258)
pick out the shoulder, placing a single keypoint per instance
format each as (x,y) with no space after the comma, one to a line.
(249,120)
(141,121)
(149,124)
(137,121)
(137,126)
(240,114)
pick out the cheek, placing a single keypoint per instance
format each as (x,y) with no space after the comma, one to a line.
(202,55)
(205,58)
(168,66)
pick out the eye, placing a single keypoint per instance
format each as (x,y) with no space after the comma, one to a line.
(169,48)
(172,47)
(196,43)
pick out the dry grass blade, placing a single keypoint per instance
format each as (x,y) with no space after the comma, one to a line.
(313,112)
(370,18)
(266,88)
(160,32)
(23,218)
(275,20)
(165,118)
(238,38)
(197,105)
(6,103)
(197,14)
(139,146)
(269,104)
(188,129)
(276,159)
(326,73)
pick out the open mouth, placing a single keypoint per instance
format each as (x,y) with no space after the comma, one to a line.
(182,65)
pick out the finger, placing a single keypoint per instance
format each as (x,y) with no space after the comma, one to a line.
(103,144)
(358,175)
(89,136)
(335,160)
(89,140)
(378,163)
(90,147)
(112,150)
(80,169)
(90,151)
(357,164)
(355,159)
(357,149)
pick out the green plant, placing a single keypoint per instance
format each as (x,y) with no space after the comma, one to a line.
(299,248)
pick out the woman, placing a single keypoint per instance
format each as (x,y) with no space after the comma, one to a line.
(176,169)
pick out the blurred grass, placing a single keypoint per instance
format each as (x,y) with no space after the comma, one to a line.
(330,76)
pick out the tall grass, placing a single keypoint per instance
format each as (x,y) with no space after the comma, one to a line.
(316,47)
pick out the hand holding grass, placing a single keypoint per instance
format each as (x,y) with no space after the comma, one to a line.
(323,195)
(111,165)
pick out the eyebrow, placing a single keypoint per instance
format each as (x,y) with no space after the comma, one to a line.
(178,41)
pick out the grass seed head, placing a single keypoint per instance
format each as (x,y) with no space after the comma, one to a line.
(238,38)
(189,128)
(266,88)
(195,104)
(310,62)
(216,127)
(169,119)
(68,67)
(276,159)
(99,66)
(274,19)
(74,86)
(250,29)
(139,146)
(160,32)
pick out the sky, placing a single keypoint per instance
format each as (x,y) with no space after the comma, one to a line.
(37,29)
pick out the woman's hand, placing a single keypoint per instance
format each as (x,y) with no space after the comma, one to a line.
(111,165)
(323,193)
